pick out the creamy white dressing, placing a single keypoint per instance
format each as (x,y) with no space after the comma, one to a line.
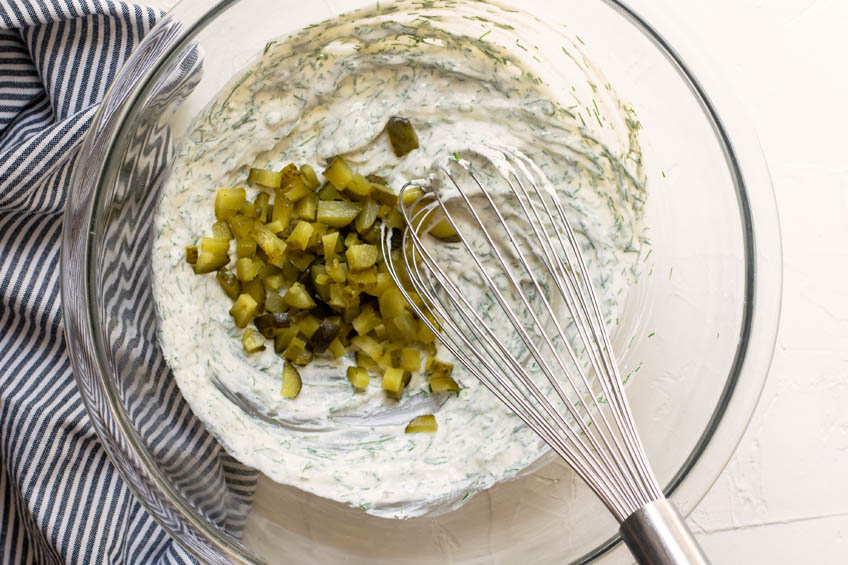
(471,77)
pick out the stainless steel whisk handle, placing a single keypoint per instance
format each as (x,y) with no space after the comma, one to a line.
(656,534)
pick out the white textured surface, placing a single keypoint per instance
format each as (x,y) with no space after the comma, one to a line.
(783,499)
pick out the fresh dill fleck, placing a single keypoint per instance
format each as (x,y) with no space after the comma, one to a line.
(580,40)
(670,270)
(650,335)
(268,46)
(484,35)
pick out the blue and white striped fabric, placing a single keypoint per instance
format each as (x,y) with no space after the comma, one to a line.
(61,499)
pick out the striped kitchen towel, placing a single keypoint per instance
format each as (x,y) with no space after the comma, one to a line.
(61,500)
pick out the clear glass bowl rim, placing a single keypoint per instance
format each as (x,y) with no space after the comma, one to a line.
(762,290)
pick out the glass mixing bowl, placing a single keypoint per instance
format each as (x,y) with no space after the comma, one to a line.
(698,330)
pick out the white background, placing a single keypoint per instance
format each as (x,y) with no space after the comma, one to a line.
(783,499)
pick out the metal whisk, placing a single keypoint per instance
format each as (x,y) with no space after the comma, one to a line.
(519,311)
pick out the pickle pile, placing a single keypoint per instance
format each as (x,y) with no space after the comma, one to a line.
(309,278)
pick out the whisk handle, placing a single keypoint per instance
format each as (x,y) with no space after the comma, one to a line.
(656,534)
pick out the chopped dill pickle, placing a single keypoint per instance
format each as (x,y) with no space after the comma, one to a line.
(364,360)
(245,248)
(274,302)
(366,321)
(276,227)
(425,334)
(301,261)
(360,257)
(383,194)
(402,135)
(438,368)
(308,325)
(358,377)
(228,201)
(298,297)
(252,341)
(392,303)
(422,424)
(295,348)
(444,230)
(272,245)
(282,209)
(215,245)
(412,194)
(241,226)
(267,323)
(300,235)
(310,177)
(262,177)
(243,310)
(222,229)
(367,216)
(337,213)
(283,337)
(406,358)
(339,173)
(395,380)
(208,262)
(359,186)
(323,336)
(289,174)
(336,269)
(337,349)
(297,190)
(257,291)
(191,254)
(262,203)
(407,326)
(291,381)
(247,268)
(443,384)
(368,345)
(329,242)
(229,282)
(306,207)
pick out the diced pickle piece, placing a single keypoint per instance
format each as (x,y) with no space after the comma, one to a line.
(443,384)
(243,310)
(337,348)
(422,424)
(358,377)
(392,303)
(241,226)
(323,336)
(274,303)
(306,207)
(339,173)
(364,360)
(395,380)
(297,190)
(444,230)
(267,323)
(425,334)
(273,282)
(366,321)
(300,235)
(228,202)
(329,192)
(438,368)
(263,177)
(310,177)
(252,341)
(282,209)
(330,241)
(262,203)
(308,325)
(272,245)
(406,358)
(283,337)
(337,213)
(382,193)
(402,135)
(298,297)
(222,229)
(368,345)
(229,282)
(367,216)
(215,245)
(364,280)
(247,268)
(208,262)
(301,261)
(407,326)
(191,254)
(256,290)
(381,332)
(295,348)
(305,358)
(290,174)
(337,270)
(360,257)
(291,381)
(359,186)
(411,194)
(245,247)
